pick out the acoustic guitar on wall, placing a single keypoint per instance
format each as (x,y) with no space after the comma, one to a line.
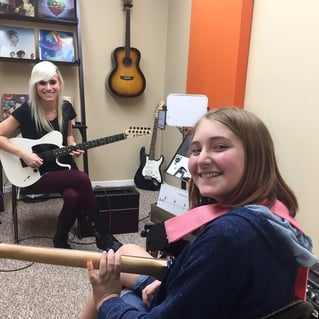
(126,78)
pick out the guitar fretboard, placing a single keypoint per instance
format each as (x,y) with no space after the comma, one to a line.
(153,140)
(63,151)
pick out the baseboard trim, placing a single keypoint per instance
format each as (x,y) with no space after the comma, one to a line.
(113,183)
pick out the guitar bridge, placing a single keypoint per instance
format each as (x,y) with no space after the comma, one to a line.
(127,77)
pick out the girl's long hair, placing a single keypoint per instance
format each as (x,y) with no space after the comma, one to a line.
(44,71)
(261,180)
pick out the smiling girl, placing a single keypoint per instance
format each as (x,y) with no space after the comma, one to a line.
(241,265)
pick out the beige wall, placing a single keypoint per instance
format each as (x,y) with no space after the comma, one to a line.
(160,30)
(102,24)
(282,88)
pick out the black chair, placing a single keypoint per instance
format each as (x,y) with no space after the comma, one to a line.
(29,195)
(297,310)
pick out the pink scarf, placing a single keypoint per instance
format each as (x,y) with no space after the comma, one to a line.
(184,224)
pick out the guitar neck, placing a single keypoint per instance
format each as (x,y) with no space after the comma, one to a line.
(127,31)
(63,151)
(153,140)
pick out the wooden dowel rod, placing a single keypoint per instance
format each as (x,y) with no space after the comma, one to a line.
(79,258)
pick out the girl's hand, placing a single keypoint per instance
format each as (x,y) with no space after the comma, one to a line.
(76,153)
(149,291)
(106,283)
(31,159)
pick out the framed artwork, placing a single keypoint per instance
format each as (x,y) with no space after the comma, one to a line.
(17,43)
(56,46)
(11,101)
(56,9)
(18,7)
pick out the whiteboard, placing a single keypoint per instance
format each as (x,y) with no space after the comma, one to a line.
(185,109)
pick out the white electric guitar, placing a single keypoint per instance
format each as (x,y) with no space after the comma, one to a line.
(50,149)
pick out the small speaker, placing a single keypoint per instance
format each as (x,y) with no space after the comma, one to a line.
(119,209)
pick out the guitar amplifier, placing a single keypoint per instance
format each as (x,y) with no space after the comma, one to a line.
(313,289)
(119,209)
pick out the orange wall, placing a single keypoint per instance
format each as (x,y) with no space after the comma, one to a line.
(218,50)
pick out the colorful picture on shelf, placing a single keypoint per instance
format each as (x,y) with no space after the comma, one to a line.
(11,101)
(56,46)
(18,43)
(56,9)
(18,7)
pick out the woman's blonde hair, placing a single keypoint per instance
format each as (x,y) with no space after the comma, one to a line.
(44,71)
(261,179)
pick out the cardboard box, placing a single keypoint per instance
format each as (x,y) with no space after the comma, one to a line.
(119,209)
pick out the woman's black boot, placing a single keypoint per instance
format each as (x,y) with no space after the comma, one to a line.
(104,238)
(60,239)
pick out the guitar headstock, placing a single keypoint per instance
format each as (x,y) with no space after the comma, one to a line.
(128,4)
(160,107)
(135,131)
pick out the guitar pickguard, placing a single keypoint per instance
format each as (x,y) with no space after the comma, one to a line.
(152,169)
(50,164)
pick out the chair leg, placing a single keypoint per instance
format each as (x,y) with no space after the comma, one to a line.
(15,214)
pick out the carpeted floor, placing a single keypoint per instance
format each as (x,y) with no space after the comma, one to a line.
(32,290)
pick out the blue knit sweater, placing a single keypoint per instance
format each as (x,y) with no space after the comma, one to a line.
(239,266)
